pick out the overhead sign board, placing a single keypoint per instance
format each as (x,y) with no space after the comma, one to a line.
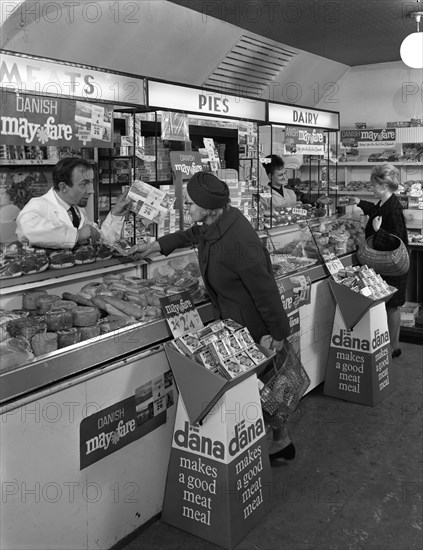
(49,78)
(302,116)
(196,100)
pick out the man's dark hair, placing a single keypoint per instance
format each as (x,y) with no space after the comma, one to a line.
(62,171)
(276,162)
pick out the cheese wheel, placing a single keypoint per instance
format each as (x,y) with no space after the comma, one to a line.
(89,332)
(44,342)
(85,316)
(29,298)
(45,302)
(68,337)
(59,319)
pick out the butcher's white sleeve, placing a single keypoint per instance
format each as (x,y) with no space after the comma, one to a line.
(111,228)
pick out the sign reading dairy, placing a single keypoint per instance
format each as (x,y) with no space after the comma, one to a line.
(219,474)
(280,113)
(359,363)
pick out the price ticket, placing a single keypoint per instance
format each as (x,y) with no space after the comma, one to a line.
(181,314)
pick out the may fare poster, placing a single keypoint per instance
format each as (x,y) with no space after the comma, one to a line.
(31,120)
(308,141)
(114,427)
(295,292)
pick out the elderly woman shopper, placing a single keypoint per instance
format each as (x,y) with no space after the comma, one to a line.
(386,218)
(235,267)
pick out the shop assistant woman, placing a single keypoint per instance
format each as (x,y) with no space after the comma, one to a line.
(235,267)
(386,218)
(276,172)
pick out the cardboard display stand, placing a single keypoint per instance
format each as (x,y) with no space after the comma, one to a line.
(359,365)
(219,479)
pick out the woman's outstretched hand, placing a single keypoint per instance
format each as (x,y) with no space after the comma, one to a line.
(143,250)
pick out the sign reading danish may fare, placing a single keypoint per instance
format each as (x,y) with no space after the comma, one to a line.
(114,427)
(33,120)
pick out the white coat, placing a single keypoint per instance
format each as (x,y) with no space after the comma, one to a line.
(46,223)
(289,198)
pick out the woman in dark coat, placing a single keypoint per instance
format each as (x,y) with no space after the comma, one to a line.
(235,267)
(386,218)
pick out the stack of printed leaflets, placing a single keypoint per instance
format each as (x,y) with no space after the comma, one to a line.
(148,202)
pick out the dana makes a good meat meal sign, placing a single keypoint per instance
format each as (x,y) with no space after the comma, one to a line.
(34,120)
(219,474)
(110,429)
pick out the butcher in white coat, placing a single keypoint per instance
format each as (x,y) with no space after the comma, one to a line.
(58,219)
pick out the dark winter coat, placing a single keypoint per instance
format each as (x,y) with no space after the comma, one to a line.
(393,223)
(237,273)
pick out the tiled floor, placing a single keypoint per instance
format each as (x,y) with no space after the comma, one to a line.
(356,483)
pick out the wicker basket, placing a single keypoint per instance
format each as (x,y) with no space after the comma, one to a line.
(390,263)
(283,387)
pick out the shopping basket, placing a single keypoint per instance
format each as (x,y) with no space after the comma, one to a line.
(282,386)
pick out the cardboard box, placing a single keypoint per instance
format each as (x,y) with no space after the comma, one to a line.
(408,313)
(353,305)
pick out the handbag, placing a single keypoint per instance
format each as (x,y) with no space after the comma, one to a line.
(282,386)
(391,263)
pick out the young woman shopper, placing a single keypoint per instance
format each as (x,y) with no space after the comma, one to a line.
(386,218)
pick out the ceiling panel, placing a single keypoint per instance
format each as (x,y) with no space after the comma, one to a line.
(352,32)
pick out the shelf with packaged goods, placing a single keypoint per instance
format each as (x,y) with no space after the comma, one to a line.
(27,162)
(343,173)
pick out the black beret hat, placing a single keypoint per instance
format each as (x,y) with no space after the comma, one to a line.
(208,191)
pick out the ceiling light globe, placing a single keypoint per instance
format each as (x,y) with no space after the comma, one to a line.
(411,50)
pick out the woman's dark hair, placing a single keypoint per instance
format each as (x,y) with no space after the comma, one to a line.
(62,171)
(276,163)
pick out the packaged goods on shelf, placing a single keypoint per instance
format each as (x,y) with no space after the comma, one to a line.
(223,347)
(365,281)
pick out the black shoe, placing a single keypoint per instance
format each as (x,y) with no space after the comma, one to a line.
(396,353)
(287,453)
